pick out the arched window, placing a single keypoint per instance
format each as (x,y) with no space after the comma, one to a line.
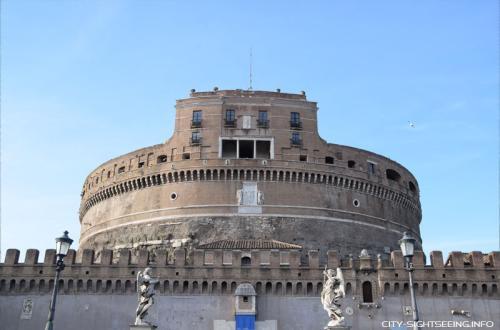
(246,261)
(367,292)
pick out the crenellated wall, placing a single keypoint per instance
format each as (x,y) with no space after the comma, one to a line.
(197,288)
(272,272)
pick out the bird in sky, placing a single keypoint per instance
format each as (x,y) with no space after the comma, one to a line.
(412,125)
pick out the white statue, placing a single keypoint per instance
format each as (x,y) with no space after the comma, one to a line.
(260,198)
(333,291)
(145,293)
(239,196)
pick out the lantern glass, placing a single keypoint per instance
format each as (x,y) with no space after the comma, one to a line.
(407,244)
(63,244)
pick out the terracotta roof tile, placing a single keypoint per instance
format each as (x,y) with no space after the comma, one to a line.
(248,244)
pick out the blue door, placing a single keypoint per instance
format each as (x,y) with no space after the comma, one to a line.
(245,322)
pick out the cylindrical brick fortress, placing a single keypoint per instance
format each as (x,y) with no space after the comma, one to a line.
(249,165)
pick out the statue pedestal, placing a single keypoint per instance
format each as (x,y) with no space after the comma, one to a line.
(143,327)
(338,327)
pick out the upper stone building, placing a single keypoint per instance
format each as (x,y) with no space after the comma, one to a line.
(248,168)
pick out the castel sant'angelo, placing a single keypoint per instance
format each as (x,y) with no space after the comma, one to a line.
(247,199)
(249,167)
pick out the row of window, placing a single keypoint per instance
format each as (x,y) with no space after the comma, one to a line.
(230,119)
(263,148)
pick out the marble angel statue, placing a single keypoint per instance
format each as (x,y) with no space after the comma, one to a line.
(145,293)
(333,292)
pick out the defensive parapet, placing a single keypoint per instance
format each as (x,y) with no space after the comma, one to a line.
(272,272)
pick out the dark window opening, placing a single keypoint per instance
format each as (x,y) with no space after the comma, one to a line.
(295,120)
(161,159)
(367,292)
(412,186)
(186,155)
(392,175)
(263,149)
(109,174)
(196,121)
(245,298)
(296,139)
(195,138)
(303,158)
(328,160)
(121,169)
(230,119)
(262,121)
(351,163)
(141,164)
(371,168)
(229,148)
(246,149)
(246,261)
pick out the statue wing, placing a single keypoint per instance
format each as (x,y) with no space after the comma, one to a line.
(138,284)
(340,277)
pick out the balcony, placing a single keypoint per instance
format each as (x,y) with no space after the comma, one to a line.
(195,123)
(230,123)
(263,123)
(195,141)
(295,124)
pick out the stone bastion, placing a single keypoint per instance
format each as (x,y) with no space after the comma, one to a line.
(249,165)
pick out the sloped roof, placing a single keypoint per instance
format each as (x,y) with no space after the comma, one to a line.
(248,244)
(245,289)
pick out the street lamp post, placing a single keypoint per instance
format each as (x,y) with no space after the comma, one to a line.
(62,246)
(407,244)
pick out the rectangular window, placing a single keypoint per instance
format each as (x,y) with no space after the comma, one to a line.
(296,138)
(263,149)
(195,138)
(196,121)
(245,149)
(230,119)
(262,120)
(371,168)
(230,115)
(295,120)
(229,148)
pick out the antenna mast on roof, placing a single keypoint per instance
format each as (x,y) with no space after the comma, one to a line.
(250,88)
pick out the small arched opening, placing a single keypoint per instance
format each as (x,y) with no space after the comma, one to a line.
(392,175)
(367,292)
(246,261)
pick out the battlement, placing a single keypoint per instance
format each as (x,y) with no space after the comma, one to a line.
(248,93)
(270,271)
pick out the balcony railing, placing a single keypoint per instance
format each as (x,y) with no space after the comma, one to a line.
(263,123)
(295,124)
(229,122)
(195,123)
(195,141)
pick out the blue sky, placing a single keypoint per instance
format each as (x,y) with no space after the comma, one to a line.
(85,81)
